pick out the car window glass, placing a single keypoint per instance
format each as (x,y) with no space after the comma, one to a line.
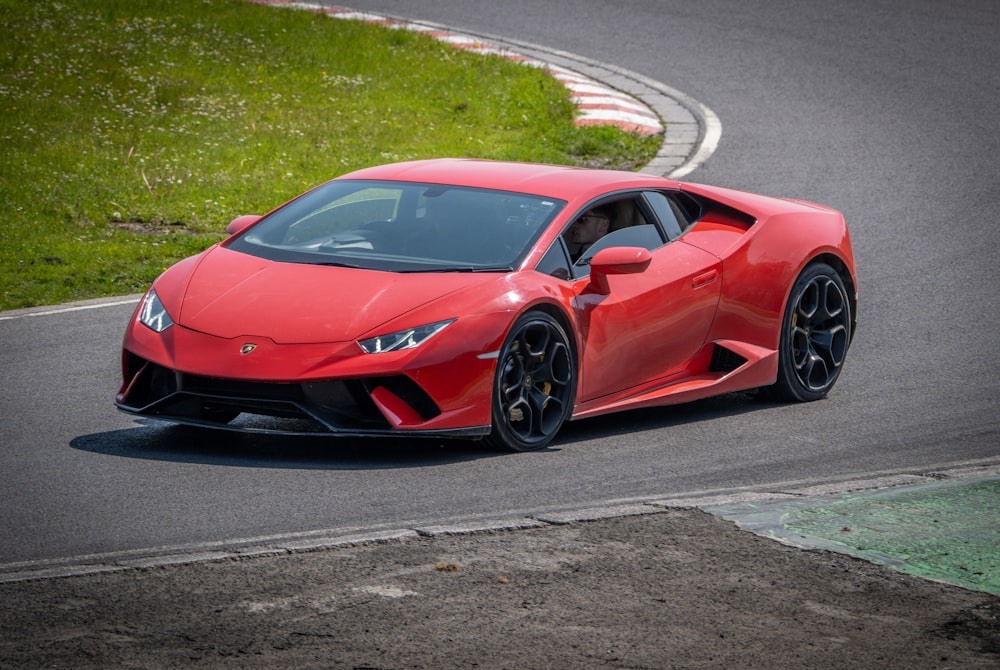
(689,210)
(555,262)
(646,236)
(345,214)
(666,212)
(402,227)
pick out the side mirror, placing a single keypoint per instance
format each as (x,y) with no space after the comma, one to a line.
(241,223)
(615,261)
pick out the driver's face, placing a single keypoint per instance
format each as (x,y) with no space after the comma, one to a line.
(589,228)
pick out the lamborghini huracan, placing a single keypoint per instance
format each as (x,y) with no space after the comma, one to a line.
(492,300)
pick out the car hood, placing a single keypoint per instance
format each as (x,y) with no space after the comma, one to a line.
(231,294)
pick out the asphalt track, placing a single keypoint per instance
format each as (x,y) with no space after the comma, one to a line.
(886,111)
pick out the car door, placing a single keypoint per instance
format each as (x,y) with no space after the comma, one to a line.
(651,324)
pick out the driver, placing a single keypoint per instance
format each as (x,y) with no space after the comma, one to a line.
(590,227)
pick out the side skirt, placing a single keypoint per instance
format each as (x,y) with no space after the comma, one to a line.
(759,368)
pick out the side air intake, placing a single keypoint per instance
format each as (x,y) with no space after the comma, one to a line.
(724,360)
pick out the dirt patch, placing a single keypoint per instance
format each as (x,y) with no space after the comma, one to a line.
(152,228)
(679,589)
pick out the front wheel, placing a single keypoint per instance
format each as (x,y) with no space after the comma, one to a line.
(534,385)
(815,335)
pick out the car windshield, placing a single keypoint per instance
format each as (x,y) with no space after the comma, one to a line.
(402,227)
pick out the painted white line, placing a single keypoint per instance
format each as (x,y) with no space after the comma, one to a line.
(594,88)
(612,101)
(711,133)
(617,116)
(68,308)
(357,16)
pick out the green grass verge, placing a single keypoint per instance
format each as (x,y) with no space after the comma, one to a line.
(133,131)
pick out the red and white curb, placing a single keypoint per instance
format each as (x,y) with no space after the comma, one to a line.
(602,105)
(597,103)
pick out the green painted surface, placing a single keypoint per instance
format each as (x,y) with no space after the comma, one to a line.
(947,531)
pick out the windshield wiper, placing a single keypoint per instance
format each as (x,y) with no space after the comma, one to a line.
(464,268)
(332,264)
(498,268)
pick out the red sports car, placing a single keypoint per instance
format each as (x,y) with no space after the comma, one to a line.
(481,299)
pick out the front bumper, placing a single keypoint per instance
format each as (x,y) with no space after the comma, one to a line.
(193,378)
(353,407)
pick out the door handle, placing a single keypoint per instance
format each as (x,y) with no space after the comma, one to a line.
(704,278)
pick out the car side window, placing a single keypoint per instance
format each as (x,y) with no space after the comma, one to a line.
(667,212)
(676,210)
(621,221)
(646,236)
(555,262)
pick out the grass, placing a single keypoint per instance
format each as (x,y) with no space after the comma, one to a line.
(133,131)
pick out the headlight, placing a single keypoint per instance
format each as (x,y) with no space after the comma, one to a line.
(404,339)
(153,314)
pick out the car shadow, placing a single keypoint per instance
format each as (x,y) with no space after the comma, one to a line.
(161,441)
(156,440)
(661,417)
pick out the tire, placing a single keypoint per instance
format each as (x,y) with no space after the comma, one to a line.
(534,385)
(815,336)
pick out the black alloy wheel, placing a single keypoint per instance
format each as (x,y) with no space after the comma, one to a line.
(534,385)
(815,336)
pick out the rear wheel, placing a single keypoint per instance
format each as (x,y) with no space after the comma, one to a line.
(534,384)
(815,335)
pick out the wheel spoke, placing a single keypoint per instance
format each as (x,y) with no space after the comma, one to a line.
(809,301)
(553,366)
(512,378)
(520,417)
(535,339)
(832,300)
(830,344)
(546,411)
(817,374)
(800,347)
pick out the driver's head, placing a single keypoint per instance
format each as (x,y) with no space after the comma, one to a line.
(591,226)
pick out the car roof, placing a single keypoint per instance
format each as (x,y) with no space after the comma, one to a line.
(557,181)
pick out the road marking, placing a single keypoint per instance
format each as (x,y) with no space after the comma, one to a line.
(18,314)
